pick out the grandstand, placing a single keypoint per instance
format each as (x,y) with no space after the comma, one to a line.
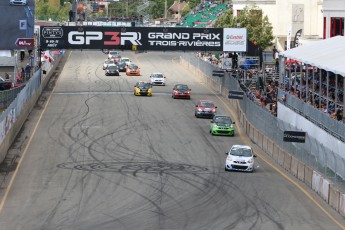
(203,15)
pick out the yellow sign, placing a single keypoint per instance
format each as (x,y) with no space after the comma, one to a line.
(134,47)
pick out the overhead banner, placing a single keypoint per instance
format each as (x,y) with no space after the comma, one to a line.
(143,38)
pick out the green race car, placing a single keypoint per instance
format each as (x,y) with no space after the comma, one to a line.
(222,125)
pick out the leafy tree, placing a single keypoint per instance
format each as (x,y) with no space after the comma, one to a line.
(259,29)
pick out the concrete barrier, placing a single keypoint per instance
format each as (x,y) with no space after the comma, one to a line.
(255,135)
(308,175)
(287,162)
(294,166)
(300,171)
(324,189)
(315,184)
(334,197)
(264,144)
(342,204)
(269,147)
(275,152)
(281,157)
(260,138)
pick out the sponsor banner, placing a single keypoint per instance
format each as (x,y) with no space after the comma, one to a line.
(294,136)
(227,63)
(235,94)
(144,38)
(235,40)
(297,37)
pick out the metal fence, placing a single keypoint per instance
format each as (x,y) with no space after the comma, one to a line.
(319,157)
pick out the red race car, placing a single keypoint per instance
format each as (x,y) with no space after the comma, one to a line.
(133,69)
(181,91)
(205,108)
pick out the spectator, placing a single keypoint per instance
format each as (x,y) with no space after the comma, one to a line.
(7,77)
(28,71)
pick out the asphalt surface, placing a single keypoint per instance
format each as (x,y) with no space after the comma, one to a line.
(102,158)
(10,17)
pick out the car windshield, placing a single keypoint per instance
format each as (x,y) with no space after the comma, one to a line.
(242,152)
(157,75)
(109,61)
(223,120)
(133,66)
(206,104)
(112,67)
(144,85)
(113,53)
(117,56)
(182,87)
(124,59)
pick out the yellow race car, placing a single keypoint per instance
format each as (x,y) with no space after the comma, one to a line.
(142,88)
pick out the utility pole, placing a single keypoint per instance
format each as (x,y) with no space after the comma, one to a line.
(127,8)
(165,9)
(178,12)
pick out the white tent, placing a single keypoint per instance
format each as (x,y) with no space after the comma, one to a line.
(326,54)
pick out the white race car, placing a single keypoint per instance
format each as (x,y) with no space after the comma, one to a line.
(157,79)
(126,60)
(18,2)
(240,158)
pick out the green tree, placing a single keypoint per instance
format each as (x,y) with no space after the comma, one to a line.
(259,29)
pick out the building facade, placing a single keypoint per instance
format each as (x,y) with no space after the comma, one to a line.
(333,18)
(289,17)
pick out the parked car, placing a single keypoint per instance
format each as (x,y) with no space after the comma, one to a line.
(240,158)
(112,70)
(222,125)
(181,91)
(205,108)
(157,79)
(133,69)
(142,88)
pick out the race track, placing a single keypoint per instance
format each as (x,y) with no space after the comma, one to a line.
(102,158)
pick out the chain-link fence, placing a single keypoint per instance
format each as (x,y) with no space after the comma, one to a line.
(331,164)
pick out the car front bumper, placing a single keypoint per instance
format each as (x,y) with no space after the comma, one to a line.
(158,83)
(132,74)
(223,131)
(242,166)
(183,96)
(209,114)
(143,93)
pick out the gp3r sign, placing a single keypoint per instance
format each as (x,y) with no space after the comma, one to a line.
(144,38)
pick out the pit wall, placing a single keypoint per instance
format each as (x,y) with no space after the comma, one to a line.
(324,188)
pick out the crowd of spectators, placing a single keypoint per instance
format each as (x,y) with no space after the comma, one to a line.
(264,94)
(312,89)
(204,14)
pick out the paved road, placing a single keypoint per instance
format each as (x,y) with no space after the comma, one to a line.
(10,17)
(101,158)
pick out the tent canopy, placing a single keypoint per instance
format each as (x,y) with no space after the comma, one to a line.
(326,54)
